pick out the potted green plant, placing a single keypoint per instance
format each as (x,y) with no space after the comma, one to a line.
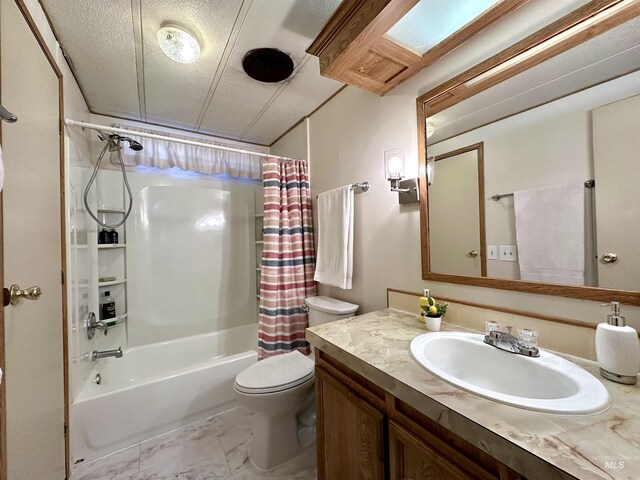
(433,312)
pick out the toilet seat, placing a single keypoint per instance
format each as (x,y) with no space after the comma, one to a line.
(276,374)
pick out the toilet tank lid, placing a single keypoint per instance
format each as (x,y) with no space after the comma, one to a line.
(331,305)
(285,369)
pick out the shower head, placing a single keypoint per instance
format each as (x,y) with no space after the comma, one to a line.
(115,138)
(133,145)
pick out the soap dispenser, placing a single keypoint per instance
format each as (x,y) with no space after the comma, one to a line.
(617,348)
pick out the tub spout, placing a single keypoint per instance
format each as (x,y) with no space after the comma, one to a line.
(95,355)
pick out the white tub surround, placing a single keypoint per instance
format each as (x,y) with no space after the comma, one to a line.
(192,376)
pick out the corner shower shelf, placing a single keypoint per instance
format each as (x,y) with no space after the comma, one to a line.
(259,242)
(110,210)
(117,281)
(111,246)
(259,215)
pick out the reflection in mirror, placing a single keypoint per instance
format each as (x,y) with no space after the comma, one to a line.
(543,219)
(560,135)
(456,213)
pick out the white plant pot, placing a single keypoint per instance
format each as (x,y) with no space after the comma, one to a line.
(433,323)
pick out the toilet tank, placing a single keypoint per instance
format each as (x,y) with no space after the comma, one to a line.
(327,309)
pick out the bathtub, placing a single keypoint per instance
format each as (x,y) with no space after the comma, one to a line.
(156,388)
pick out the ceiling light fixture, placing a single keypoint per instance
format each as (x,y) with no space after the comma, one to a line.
(178,44)
(551,42)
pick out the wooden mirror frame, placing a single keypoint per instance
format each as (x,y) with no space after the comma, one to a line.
(454,91)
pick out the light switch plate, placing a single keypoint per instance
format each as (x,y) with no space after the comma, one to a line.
(492,252)
(508,253)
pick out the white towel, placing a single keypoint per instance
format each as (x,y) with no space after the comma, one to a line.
(550,232)
(334,262)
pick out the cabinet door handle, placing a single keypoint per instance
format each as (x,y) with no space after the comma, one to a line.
(609,257)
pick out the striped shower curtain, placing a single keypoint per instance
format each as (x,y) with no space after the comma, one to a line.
(288,259)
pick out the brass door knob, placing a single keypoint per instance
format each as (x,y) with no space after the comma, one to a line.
(16,293)
(472,253)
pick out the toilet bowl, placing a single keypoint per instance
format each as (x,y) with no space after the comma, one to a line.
(279,390)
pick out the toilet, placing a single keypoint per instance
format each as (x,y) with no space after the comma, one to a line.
(279,390)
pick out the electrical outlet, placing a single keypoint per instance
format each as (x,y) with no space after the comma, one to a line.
(508,253)
(492,252)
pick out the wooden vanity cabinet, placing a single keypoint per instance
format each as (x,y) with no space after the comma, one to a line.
(365,433)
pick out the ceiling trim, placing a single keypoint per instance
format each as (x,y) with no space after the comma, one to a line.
(241,17)
(136,20)
(540,104)
(455,90)
(308,115)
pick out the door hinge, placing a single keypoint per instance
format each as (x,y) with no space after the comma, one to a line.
(62,276)
(66,430)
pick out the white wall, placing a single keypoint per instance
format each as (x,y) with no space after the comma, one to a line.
(293,144)
(347,139)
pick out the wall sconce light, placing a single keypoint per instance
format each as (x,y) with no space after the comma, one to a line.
(431,129)
(394,170)
(431,169)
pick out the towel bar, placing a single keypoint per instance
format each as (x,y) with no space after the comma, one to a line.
(587,184)
(364,186)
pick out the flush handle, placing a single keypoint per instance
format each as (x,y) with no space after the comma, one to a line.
(15,294)
(610,258)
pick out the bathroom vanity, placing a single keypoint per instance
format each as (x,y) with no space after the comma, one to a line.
(396,420)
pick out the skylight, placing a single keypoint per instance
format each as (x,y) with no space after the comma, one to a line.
(431,21)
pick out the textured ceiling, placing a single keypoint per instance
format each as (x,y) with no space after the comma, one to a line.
(609,55)
(122,71)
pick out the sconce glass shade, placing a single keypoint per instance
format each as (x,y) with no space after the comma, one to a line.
(178,44)
(431,169)
(431,129)
(394,163)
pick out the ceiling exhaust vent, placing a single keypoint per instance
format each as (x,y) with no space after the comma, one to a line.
(268,65)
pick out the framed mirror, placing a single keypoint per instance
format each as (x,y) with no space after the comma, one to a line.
(556,116)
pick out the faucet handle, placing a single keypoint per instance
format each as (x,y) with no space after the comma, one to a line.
(509,328)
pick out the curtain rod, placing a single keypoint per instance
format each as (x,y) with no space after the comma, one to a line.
(94,126)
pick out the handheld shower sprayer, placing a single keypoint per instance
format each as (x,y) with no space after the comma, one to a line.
(113,144)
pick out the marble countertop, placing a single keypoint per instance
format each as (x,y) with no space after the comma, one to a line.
(538,445)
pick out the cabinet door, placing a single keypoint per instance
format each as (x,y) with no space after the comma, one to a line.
(351,441)
(412,459)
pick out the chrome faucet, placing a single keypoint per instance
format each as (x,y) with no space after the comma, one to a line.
(95,355)
(507,342)
(93,324)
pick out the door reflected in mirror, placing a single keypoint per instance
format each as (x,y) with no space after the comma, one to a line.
(456,213)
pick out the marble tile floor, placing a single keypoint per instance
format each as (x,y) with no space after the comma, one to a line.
(213,449)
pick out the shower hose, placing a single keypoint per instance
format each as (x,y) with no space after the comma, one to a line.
(126,183)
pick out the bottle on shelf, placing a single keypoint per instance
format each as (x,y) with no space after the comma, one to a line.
(108,307)
(103,237)
(114,236)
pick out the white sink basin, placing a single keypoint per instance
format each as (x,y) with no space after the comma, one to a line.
(546,384)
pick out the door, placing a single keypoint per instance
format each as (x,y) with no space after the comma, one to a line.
(456,214)
(351,441)
(412,459)
(616,144)
(33,381)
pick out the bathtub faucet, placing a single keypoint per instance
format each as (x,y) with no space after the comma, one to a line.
(95,355)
